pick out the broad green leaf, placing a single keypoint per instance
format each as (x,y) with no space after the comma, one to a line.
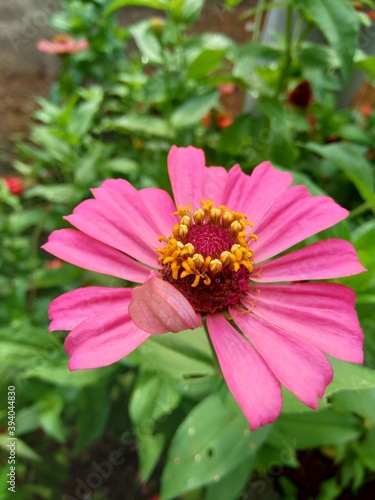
(211,442)
(351,160)
(144,125)
(83,115)
(56,148)
(347,376)
(153,4)
(360,402)
(192,111)
(150,447)
(339,23)
(57,373)
(95,407)
(147,42)
(321,428)
(56,193)
(206,62)
(152,397)
(120,165)
(231,485)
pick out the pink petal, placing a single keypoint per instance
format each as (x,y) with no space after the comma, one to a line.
(72,308)
(296,363)
(254,195)
(328,259)
(102,340)
(253,385)
(322,313)
(294,217)
(161,208)
(119,221)
(157,307)
(191,180)
(81,250)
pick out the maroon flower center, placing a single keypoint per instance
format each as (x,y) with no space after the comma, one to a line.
(207,258)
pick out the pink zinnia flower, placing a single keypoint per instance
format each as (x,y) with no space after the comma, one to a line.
(213,261)
(62,44)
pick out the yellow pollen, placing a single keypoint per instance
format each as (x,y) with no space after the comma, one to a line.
(199,216)
(227,219)
(235,228)
(198,260)
(181,259)
(183,231)
(215,266)
(215,215)
(185,220)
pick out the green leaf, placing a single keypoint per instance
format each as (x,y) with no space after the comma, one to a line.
(360,402)
(231,485)
(147,42)
(347,376)
(144,125)
(151,398)
(56,148)
(56,193)
(350,158)
(211,442)
(120,165)
(192,111)
(320,428)
(339,22)
(94,412)
(205,63)
(153,4)
(83,116)
(150,447)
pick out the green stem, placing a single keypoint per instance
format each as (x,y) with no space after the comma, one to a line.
(359,210)
(214,355)
(258,20)
(288,52)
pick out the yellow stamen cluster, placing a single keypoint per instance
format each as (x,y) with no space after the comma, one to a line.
(181,256)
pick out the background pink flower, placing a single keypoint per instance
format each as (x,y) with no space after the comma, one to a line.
(62,44)
(216,258)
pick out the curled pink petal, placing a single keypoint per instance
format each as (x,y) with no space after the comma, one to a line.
(253,385)
(157,307)
(296,363)
(102,340)
(72,308)
(325,259)
(294,217)
(322,313)
(86,252)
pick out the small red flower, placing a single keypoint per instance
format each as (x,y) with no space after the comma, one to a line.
(365,110)
(371,15)
(302,95)
(223,120)
(14,185)
(62,44)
